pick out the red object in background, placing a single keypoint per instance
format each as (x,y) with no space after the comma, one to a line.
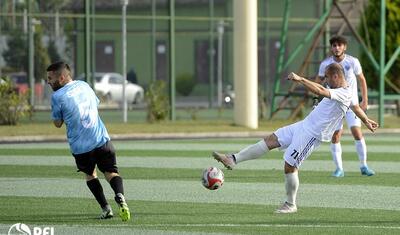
(20,81)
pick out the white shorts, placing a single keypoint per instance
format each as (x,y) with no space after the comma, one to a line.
(351,120)
(297,143)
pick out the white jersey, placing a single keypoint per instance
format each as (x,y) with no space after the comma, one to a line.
(324,119)
(352,68)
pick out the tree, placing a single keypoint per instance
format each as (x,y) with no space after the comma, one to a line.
(16,56)
(392,39)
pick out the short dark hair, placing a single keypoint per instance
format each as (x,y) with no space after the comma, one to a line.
(57,66)
(338,39)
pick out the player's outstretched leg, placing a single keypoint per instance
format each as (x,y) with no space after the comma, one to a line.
(250,152)
(124,212)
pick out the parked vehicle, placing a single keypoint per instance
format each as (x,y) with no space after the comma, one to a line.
(109,87)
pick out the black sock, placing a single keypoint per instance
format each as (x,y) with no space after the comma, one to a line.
(97,190)
(116,185)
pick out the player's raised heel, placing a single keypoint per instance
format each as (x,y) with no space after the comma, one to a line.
(338,173)
(106,212)
(226,160)
(286,208)
(366,171)
(124,212)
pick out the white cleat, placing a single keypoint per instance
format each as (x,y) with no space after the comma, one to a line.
(286,208)
(226,160)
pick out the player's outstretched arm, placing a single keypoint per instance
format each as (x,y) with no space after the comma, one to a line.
(314,87)
(369,123)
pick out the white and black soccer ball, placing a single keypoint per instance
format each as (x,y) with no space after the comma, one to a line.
(213,178)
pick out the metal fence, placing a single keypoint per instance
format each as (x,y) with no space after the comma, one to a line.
(88,35)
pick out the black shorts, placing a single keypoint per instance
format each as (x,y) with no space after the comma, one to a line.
(103,157)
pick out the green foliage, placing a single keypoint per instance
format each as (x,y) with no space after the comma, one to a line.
(157,101)
(185,84)
(392,39)
(13,106)
(16,55)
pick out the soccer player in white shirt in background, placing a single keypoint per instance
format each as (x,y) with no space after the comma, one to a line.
(301,138)
(353,72)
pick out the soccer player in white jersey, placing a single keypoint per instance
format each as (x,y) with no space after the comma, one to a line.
(353,72)
(75,104)
(301,138)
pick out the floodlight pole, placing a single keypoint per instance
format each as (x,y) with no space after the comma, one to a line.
(125,105)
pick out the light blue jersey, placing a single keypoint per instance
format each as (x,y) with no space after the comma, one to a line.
(76,104)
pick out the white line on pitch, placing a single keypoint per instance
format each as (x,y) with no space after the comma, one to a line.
(200,163)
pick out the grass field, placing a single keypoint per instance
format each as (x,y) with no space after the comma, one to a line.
(39,186)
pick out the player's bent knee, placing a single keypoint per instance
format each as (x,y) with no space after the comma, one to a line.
(90,177)
(110,175)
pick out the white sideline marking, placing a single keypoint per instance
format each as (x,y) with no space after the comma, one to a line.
(200,163)
(309,195)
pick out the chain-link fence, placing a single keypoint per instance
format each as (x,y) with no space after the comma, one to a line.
(87,35)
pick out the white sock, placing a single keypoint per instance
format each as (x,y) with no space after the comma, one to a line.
(336,150)
(292,185)
(252,152)
(361,151)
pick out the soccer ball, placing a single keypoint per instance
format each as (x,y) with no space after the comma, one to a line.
(213,178)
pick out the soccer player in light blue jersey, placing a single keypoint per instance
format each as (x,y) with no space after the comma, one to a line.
(75,104)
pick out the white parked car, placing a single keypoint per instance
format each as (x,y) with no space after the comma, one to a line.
(109,86)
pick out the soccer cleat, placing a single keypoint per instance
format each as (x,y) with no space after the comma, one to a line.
(226,160)
(106,212)
(286,208)
(124,212)
(366,171)
(338,173)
